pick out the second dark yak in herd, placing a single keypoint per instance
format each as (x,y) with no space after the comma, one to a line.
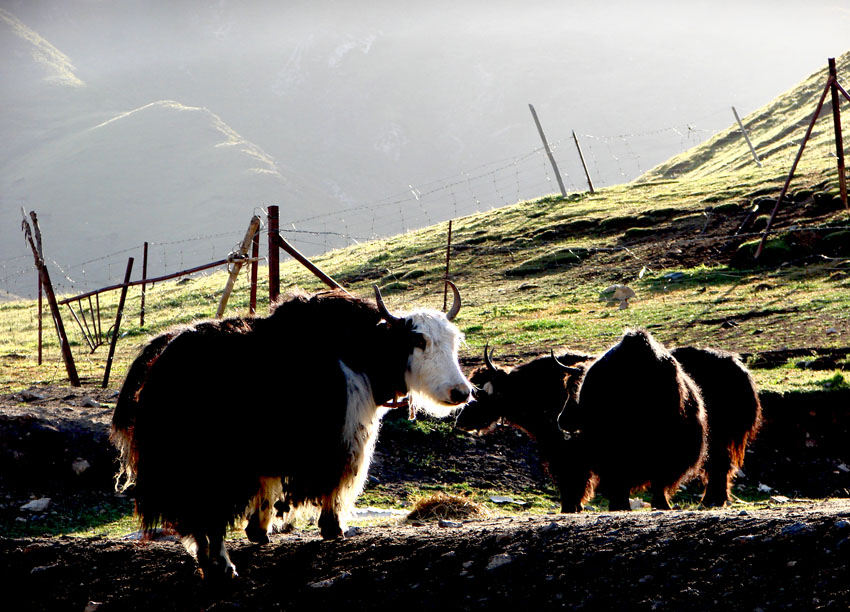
(202,455)
(636,416)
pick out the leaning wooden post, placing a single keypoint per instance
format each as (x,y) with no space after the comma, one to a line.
(144,284)
(297,256)
(793,168)
(448,261)
(117,322)
(237,259)
(583,165)
(548,151)
(40,324)
(839,141)
(44,279)
(746,137)
(255,263)
(274,255)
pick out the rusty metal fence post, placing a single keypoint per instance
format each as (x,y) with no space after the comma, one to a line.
(115,331)
(274,254)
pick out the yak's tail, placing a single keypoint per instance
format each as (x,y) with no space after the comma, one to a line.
(126,410)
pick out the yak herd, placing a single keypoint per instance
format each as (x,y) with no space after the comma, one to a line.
(638,415)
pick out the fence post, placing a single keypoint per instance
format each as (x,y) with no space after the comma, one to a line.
(839,141)
(255,256)
(746,137)
(583,165)
(548,151)
(44,279)
(274,255)
(40,324)
(117,322)
(448,261)
(237,264)
(144,284)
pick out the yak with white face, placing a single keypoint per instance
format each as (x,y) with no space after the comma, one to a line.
(294,429)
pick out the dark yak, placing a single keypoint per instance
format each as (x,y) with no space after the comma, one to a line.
(629,419)
(733,411)
(529,397)
(297,427)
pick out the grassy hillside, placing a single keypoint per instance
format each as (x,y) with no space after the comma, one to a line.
(532,274)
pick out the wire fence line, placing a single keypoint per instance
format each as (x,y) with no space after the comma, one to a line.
(613,159)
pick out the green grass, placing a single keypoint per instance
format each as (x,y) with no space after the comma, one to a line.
(532,274)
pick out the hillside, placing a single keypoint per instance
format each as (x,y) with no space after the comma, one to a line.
(532,277)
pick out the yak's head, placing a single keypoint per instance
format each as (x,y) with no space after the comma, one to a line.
(433,376)
(529,396)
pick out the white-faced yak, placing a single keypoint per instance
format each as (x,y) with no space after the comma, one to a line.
(225,417)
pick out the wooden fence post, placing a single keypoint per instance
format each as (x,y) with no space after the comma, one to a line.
(746,137)
(255,256)
(274,255)
(448,260)
(144,284)
(117,322)
(237,262)
(548,151)
(583,165)
(839,141)
(44,279)
(40,324)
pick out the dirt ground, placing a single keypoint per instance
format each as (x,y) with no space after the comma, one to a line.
(779,555)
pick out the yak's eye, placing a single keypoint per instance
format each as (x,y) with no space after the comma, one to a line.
(419,341)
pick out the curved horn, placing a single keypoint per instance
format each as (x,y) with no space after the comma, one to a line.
(565,368)
(452,313)
(488,358)
(382,308)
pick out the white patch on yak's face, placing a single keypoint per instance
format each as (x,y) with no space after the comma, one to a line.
(434,379)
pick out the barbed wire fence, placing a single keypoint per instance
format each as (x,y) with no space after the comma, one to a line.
(613,159)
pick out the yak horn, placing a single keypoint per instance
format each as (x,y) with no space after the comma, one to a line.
(382,308)
(452,313)
(488,358)
(566,368)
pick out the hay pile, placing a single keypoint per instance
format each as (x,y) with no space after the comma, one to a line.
(445,506)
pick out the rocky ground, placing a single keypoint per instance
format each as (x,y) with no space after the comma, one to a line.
(789,553)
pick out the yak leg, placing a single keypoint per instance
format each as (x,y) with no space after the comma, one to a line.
(660,500)
(718,474)
(262,512)
(211,555)
(618,496)
(220,562)
(329,525)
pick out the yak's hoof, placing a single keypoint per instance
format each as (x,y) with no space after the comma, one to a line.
(256,535)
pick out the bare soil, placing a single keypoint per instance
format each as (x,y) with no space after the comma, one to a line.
(777,555)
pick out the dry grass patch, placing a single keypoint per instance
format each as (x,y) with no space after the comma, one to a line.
(446,506)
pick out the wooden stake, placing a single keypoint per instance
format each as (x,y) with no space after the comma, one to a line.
(448,261)
(839,141)
(237,264)
(40,325)
(548,151)
(274,255)
(255,256)
(44,278)
(115,331)
(746,137)
(583,165)
(144,284)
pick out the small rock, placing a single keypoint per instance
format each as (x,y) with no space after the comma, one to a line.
(93,606)
(674,276)
(527,286)
(832,330)
(37,505)
(795,529)
(88,402)
(842,524)
(80,465)
(29,396)
(637,504)
(553,526)
(449,524)
(764,488)
(499,561)
(500,499)
(352,531)
(744,539)
(743,513)
(779,499)
(468,564)
(843,467)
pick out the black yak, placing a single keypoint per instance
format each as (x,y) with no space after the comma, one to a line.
(529,397)
(225,417)
(641,422)
(733,410)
